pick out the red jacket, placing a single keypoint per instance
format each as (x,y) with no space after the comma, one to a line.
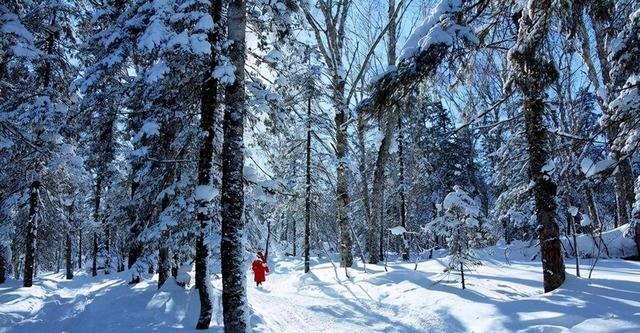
(259,268)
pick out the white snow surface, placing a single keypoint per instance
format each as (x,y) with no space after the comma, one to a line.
(618,241)
(225,73)
(573,210)
(398,230)
(205,193)
(437,28)
(549,166)
(591,168)
(503,295)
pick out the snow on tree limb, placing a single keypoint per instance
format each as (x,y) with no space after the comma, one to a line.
(425,49)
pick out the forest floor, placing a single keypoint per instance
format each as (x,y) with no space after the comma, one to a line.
(503,295)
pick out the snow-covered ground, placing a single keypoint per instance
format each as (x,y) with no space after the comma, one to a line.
(501,296)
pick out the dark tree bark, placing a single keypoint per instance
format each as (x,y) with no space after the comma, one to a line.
(32,233)
(16,263)
(96,217)
(205,214)
(622,205)
(346,256)
(392,33)
(234,307)
(637,238)
(403,204)
(266,246)
(3,248)
(366,201)
(307,197)
(94,255)
(3,264)
(377,193)
(59,250)
(533,75)
(79,249)
(135,248)
(164,253)
(67,255)
(462,275)
(107,245)
(587,196)
(68,244)
(164,267)
(295,236)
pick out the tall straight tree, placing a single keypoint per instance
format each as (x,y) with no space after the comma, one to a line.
(209,103)
(330,39)
(32,229)
(374,239)
(533,75)
(401,190)
(67,241)
(234,298)
(307,188)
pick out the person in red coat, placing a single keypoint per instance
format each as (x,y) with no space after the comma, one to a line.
(260,268)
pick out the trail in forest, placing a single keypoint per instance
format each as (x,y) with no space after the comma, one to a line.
(501,296)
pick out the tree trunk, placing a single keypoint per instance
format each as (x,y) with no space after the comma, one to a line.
(295,237)
(164,267)
(381,233)
(375,235)
(366,201)
(462,274)
(403,205)
(164,255)
(266,246)
(587,196)
(96,218)
(533,76)
(637,238)
(346,256)
(544,191)
(32,232)
(107,246)
(79,249)
(205,213)
(392,34)
(3,264)
(623,207)
(94,254)
(67,256)
(59,250)
(135,248)
(576,253)
(307,197)
(234,294)
(16,262)
(377,193)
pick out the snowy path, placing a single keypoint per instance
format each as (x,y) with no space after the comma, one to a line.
(500,298)
(308,303)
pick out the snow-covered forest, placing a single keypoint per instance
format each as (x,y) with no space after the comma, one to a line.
(390,165)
